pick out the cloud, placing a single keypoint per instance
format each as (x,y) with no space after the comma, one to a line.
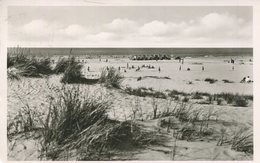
(216,25)
(121,26)
(212,29)
(36,28)
(74,30)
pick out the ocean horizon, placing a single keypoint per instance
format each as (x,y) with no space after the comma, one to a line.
(184,52)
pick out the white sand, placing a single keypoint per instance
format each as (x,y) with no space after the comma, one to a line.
(215,68)
(34,92)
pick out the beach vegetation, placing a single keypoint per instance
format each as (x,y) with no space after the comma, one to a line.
(145,92)
(211,80)
(111,78)
(242,141)
(73,73)
(227,81)
(62,65)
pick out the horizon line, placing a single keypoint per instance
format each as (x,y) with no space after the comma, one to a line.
(127,47)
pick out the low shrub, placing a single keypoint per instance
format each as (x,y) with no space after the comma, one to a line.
(185,99)
(73,72)
(173,93)
(111,77)
(240,101)
(197,95)
(227,81)
(62,65)
(210,80)
(29,67)
(144,92)
(243,141)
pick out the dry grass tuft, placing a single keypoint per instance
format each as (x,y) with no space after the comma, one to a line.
(111,77)
(72,72)
(243,141)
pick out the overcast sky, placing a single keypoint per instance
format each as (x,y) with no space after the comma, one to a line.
(160,26)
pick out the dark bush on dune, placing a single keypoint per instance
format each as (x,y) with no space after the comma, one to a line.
(240,101)
(197,95)
(13,60)
(210,80)
(43,66)
(227,81)
(61,66)
(29,67)
(145,92)
(73,72)
(111,78)
(235,99)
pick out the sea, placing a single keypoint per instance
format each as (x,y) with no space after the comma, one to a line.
(123,52)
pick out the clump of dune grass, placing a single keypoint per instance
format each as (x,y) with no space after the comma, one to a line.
(173,93)
(29,67)
(243,141)
(78,121)
(75,122)
(227,81)
(211,80)
(72,72)
(111,78)
(241,101)
(145,92)
(24,122)
(62,65)
(197,95)
(234,99)
(13,74)
(17,56)
(185,99)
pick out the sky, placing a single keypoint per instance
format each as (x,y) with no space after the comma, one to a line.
(130,26)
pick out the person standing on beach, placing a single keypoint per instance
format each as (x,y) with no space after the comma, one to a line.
(88,68)
(159,69)
(202,68)
(180,68)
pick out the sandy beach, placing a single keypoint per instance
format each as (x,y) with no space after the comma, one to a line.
(215,68)
(34,92)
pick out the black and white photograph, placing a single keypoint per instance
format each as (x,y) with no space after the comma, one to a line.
(125,82)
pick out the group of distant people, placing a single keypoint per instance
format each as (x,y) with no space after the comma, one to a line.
(246,80)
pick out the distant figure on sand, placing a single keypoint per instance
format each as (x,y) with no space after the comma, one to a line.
(202,68)
(232,61)
(159,69)
(119,68)
(88,68)
(138,69)
(188,69)
(243,80)
(180,68)
(248,80)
